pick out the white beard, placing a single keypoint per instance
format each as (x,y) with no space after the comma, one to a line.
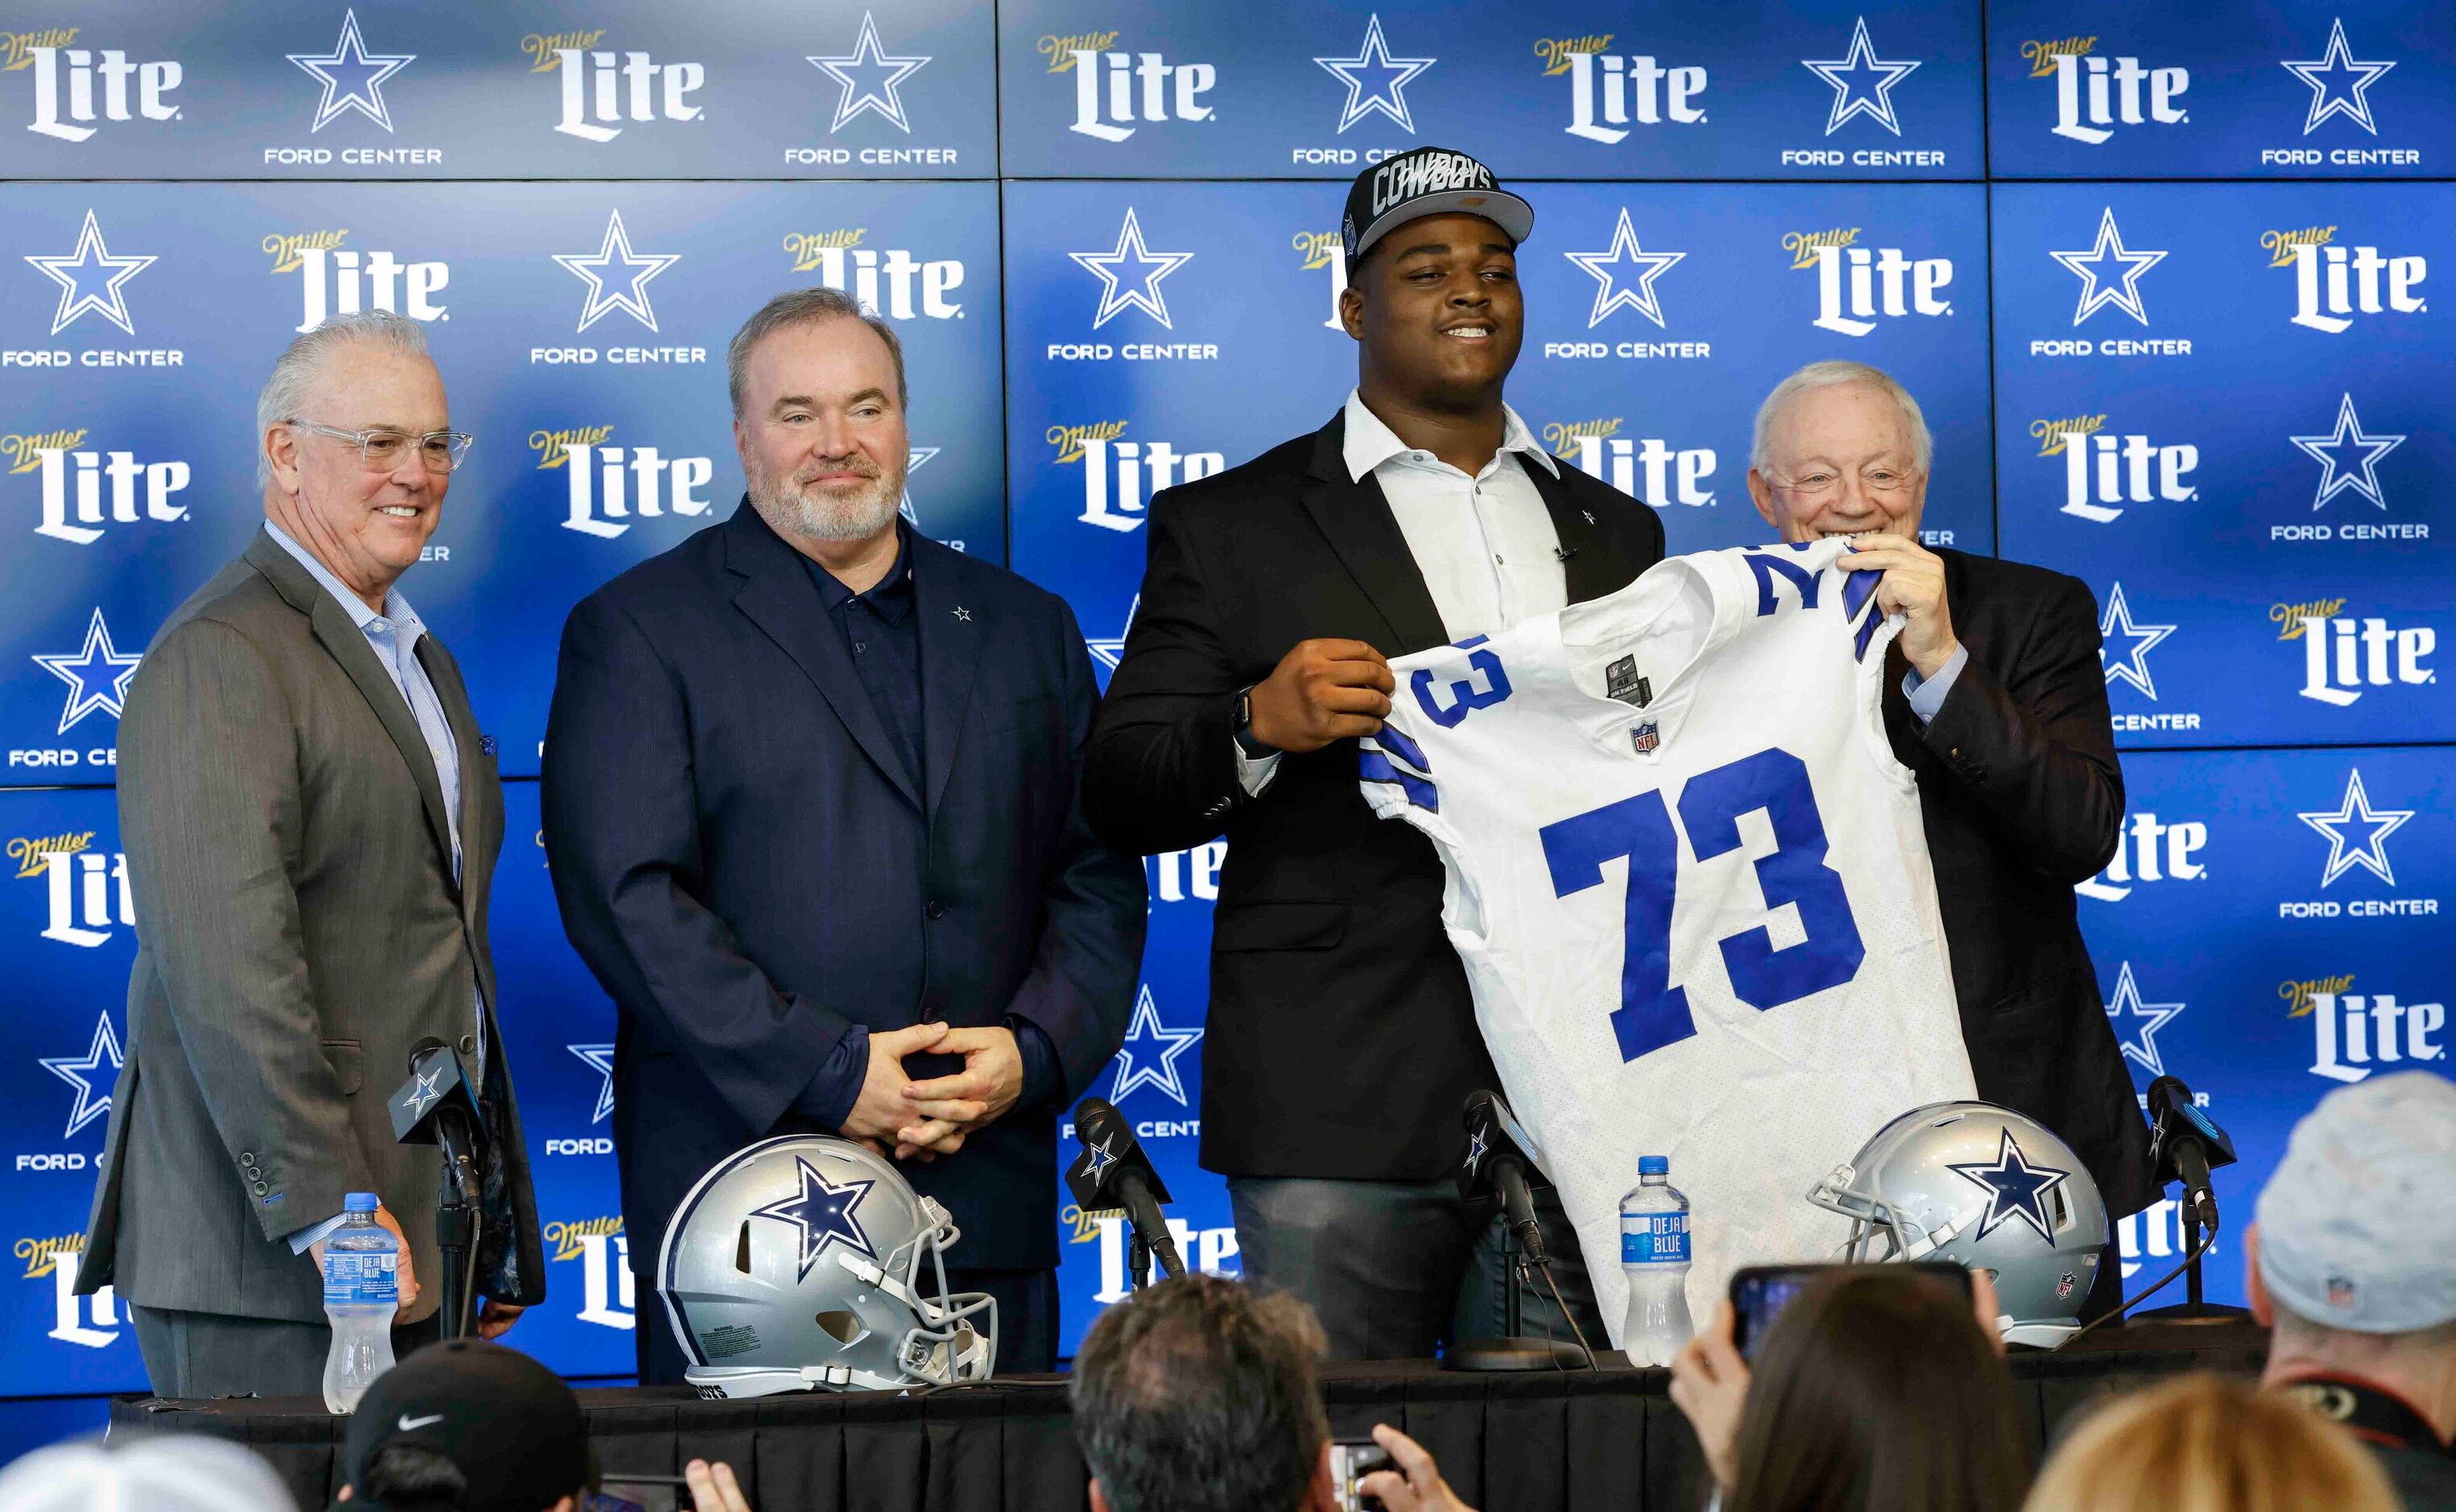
(814,514)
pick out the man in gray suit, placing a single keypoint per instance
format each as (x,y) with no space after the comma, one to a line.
(312,818)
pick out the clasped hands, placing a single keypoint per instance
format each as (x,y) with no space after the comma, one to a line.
(926,1119)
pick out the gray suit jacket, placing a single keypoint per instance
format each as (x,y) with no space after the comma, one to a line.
(298,931)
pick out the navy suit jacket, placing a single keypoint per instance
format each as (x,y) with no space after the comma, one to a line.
(743,862)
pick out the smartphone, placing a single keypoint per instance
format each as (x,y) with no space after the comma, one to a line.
(1351,1460)
(640,1493)
(1759,1291)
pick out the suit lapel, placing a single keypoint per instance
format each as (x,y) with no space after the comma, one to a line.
(951,631)
(444,674)
(347,645)
(1591,557)
(777,596)
(1357,521)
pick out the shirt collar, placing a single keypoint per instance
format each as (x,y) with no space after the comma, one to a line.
(1369,442)
(397,612)
(890,595)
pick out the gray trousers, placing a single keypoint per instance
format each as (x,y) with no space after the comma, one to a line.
(1395,1268)
(193,1354)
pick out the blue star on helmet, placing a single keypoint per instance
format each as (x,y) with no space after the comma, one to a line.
(80,1072)
(2122,291)
(638,268)
(877,96)
(1157,1069)
(1364,98)
(1862,83)
(2337,470)
(98,674)
(2135,1023)
(600,1058)
(1141,292)
(2338,83)
(1638,296)
(821,1215)
(2015,1189)
(90,280)
(2130,667)
(352,76)
(2374,827)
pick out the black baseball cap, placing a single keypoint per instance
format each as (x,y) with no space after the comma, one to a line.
(511,1426)
(1426,181)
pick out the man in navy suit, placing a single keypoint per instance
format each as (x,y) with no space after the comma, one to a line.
(812,803)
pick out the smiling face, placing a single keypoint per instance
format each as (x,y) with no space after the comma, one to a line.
(821,431)
(367,526)
(1436,307)
(1840,459)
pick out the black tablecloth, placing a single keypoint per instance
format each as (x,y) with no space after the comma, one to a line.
(1604,1440)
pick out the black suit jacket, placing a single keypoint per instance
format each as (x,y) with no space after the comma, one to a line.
(2022,799)
(743,862)
(1342,1040)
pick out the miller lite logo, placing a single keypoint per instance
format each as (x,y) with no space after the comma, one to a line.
(2094,94)
(1121,476)
(604,90)
(1643,467)
(2104,474)
(91,1322)
(337,280)
(1325,249)
(1857,286)
(2355,1034)
(1609,91)
(1115,91)
(608,486)
(84,492)
(2344,656)
(607,1293)
(76,89)
(890,281)
(2332,284)
(85,892)
(2147,850)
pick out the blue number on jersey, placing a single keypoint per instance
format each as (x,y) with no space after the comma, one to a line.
(1464,696)
(1652,1012)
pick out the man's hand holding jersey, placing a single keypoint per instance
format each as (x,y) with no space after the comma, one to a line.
(1912,586)
(1322,691)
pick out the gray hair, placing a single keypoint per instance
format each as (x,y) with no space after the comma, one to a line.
(1196,1396)
(301,363)
(1827,375)
(805,307)
(164,1473)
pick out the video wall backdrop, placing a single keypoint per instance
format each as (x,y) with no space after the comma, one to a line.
(2161,276)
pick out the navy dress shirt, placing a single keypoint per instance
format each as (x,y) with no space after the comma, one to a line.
(879,629)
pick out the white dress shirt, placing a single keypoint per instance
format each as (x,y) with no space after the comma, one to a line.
(1484,543)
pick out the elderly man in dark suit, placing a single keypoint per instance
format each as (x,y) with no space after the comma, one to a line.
(311,819)
(1996,699)
(811,806)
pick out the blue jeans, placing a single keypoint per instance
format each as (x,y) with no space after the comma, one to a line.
(1396,1268)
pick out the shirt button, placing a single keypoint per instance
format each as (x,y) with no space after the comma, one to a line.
(859,646)
(934,908)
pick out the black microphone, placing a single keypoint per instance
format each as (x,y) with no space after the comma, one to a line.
(437,1106)
(2186,1146)
(1498,1159)
(1112,1171)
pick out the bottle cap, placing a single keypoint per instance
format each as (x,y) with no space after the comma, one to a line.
(1654,1165)
(361,1202)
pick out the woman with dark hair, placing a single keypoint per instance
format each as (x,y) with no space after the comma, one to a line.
(1878,1387)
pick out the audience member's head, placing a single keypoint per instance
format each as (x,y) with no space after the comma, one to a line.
(1196,1396)
(173,1473)
(469,1426)
(2209,1443)
(2352,1266)
(1877,1388)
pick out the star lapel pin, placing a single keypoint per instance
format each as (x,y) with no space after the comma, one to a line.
(963,614)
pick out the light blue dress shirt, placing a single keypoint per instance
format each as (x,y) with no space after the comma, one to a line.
(1926,695)
(395,635)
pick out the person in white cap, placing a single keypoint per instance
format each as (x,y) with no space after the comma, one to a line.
(2352,1268)
(169,1473)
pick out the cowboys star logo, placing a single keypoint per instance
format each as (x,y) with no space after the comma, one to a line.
(1110,649)
(600,1058)
(352,76)
(2348,458)
(1119,292)
(1863,84)
(2015,1187)
(90,280)
(2131,667)
(1098,1159)
(100,1063)
(98,674)
(822,1213)
(1638,295)
(1373,58)
(2122,291)
(870,63)
(1158,1069)
(2365,847)
(637,269)
(2135,1023)
(913,458)
(2339,85)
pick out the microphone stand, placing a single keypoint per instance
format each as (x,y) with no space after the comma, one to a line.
(1138,1261)
(2193,1309)
(1513,1351)
(455,1228)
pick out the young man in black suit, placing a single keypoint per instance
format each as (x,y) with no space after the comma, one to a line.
(1996,699)
(1342,1040)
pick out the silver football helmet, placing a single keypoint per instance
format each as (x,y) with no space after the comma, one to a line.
(806,1263)
(1986,1187)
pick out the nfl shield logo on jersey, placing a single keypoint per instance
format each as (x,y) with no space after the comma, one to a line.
(1645,738)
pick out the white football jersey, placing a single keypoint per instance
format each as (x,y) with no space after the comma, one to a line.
(1688,881)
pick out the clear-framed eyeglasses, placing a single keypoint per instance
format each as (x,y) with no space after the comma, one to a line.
(1818,484)
(384,449)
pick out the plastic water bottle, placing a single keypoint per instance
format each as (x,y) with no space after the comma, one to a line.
(360,1293)
(1654,1256)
